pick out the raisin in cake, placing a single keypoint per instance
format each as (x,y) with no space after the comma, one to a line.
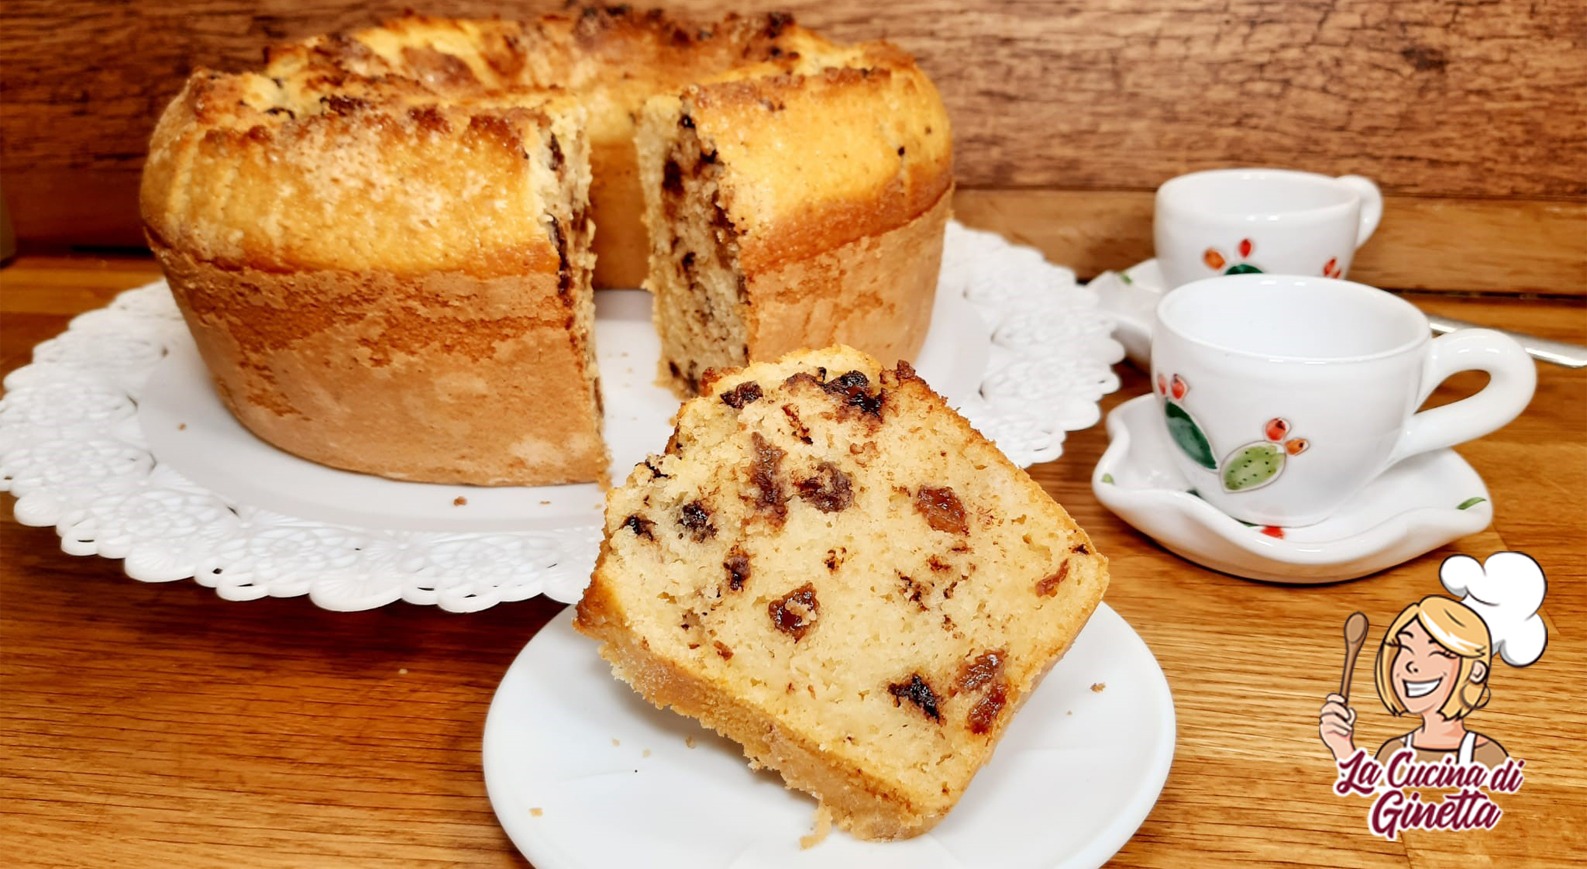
(764,197)
(385,243)
(832,568)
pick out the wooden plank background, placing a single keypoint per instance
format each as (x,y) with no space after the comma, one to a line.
(1067,113)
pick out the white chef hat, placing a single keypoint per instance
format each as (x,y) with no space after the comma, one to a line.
(1505,591)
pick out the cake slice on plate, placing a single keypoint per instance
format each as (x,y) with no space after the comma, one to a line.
(832,568)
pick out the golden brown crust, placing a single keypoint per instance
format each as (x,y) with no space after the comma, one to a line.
(387,182)
(818,160)
(430,94)
(617,202)
(873,293)
(610,60)
(828,187)
(429,154)
(447,377)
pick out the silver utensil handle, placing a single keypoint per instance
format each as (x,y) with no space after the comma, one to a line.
(1557,352)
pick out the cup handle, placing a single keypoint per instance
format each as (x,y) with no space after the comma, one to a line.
(1371,205)
(1512,380)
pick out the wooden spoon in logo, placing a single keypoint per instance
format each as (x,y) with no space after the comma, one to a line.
(1355,636)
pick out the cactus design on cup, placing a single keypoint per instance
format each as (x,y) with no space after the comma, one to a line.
(1248,467)
(1182,427)
(1259,463)
(1219,263)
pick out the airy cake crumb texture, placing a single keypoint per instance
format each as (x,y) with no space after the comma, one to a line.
(831,567)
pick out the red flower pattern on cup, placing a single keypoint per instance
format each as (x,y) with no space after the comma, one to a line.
(1331,269)
(1216,261)
(1176,387)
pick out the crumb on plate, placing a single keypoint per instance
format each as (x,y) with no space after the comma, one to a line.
(822,827)
(1099,687)
(459,501)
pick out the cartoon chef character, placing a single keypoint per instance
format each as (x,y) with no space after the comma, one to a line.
(1436,658)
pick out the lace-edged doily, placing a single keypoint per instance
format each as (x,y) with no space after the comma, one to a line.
(73,453)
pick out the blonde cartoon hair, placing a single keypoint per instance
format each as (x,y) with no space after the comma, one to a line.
(1461,632)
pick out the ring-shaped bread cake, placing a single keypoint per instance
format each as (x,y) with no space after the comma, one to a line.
(386,243)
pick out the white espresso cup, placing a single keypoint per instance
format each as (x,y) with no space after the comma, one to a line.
(1273,221)
(1284,396)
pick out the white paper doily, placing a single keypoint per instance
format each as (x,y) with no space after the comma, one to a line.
(75,452)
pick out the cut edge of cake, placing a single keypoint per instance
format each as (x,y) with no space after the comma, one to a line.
(698,287)
(776,223)
(866,804)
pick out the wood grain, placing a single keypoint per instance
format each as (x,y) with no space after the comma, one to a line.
(1469,108)
(156,725)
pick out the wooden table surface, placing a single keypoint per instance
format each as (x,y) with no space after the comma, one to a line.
(159,725)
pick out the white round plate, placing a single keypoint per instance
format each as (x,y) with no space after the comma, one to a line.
(1414,507)
(583,773)
(114,436)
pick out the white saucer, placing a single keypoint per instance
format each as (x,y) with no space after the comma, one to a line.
(1131,298)
(584,773)
(1416,506)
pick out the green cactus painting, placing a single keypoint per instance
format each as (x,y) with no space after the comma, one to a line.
(1252,467)
(1248,467)
(1182,427)
(1257,464)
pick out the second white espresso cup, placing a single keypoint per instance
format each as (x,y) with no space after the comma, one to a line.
(1273,221)
(1285,396)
